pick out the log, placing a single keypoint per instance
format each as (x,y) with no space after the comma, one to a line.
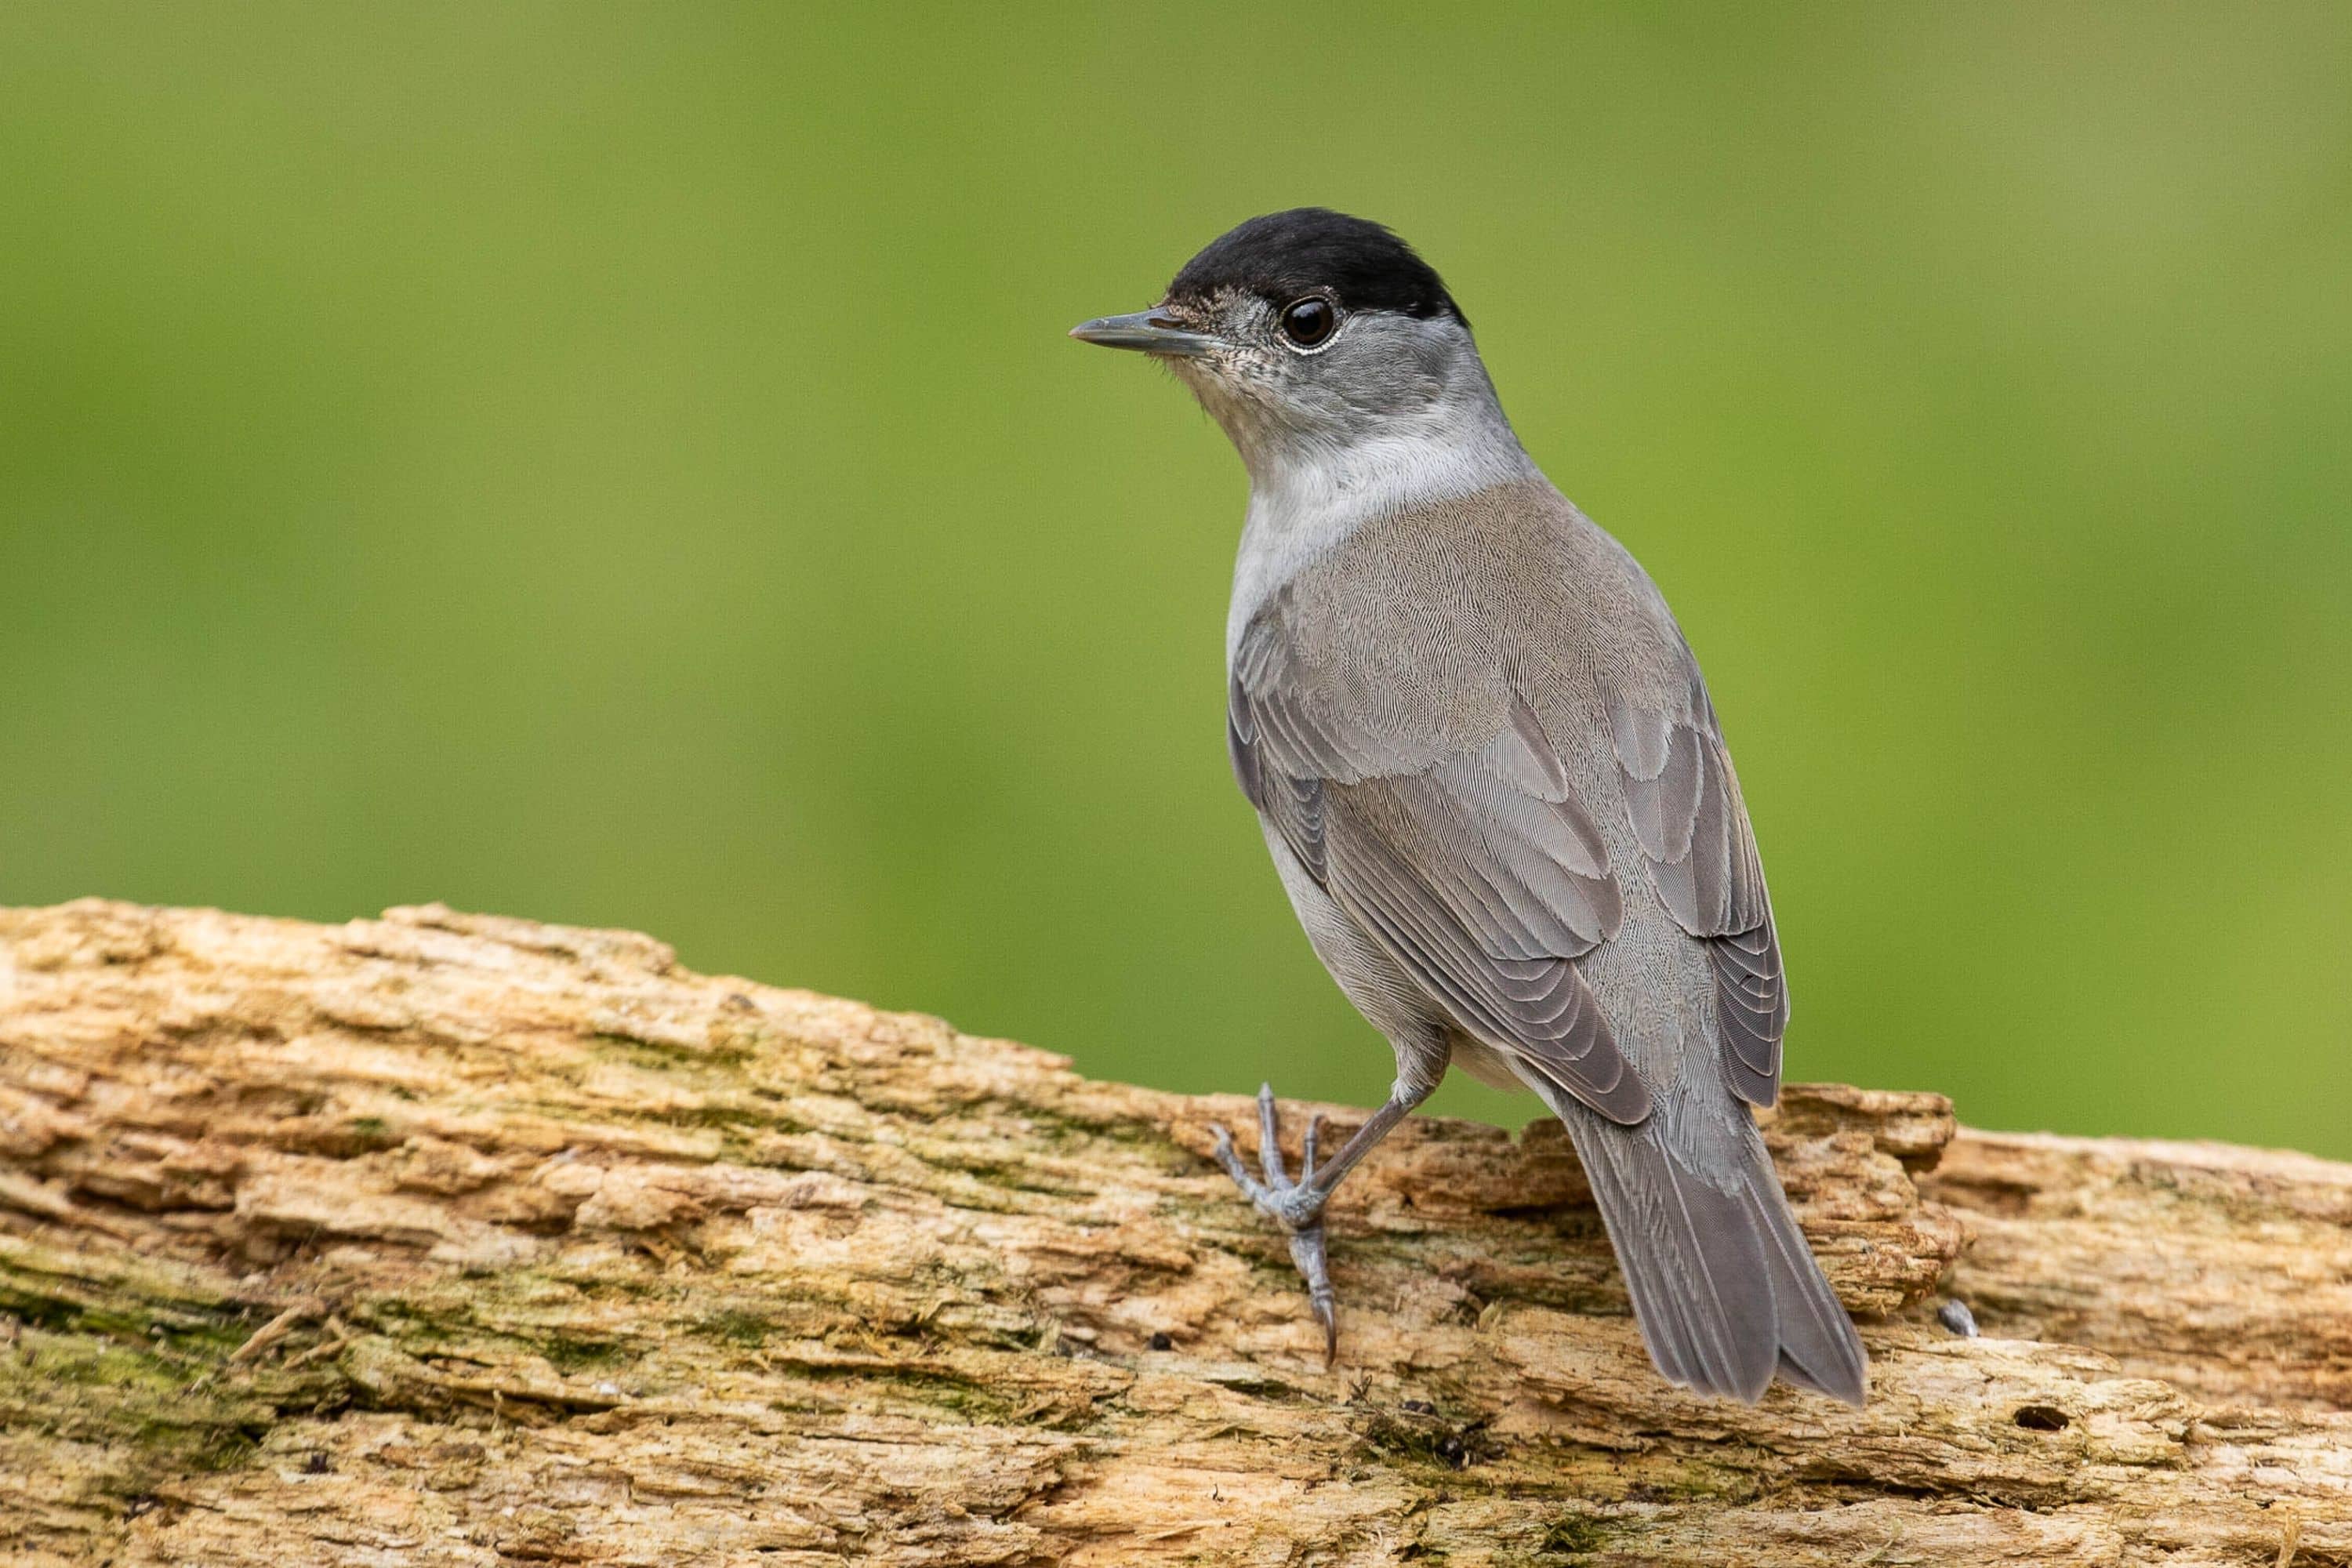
(448,1239)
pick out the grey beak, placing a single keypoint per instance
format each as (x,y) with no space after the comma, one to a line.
(1146,331)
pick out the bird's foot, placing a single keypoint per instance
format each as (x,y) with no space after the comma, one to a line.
(1297,1206)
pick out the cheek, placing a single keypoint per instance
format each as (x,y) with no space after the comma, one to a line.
(1389,383)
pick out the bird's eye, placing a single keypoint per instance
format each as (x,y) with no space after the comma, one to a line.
(1309,322)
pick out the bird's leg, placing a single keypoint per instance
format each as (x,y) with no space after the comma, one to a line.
(1297,1206)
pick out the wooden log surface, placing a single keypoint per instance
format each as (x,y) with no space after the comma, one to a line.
(449,1240)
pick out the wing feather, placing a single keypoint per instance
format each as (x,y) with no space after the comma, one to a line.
(1683,800)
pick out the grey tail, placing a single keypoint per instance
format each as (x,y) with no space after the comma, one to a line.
(1724,1286)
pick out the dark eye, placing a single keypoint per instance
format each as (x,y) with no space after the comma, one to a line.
(1308,323)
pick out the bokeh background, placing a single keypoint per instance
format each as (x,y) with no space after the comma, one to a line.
(622,465)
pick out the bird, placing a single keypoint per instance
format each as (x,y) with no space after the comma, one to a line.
(1494,788)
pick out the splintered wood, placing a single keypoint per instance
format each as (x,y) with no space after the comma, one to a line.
(444,1239)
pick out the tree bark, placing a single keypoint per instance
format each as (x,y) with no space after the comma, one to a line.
(447,1239)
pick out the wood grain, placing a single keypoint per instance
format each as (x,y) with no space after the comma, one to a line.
(447,1239)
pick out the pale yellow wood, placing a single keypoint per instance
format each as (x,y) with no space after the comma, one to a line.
(444,1239)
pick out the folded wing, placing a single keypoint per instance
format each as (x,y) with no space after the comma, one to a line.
(1693,827)
(1474,867)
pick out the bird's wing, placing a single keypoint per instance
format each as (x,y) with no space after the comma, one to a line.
(1473,865)
(1693,827)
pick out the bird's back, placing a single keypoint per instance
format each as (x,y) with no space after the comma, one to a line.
(1423,630)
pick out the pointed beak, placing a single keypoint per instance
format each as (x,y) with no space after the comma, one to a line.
(1147,331)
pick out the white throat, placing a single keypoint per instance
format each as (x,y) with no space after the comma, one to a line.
(1308,496)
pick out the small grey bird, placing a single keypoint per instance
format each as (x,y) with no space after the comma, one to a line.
(1494,786)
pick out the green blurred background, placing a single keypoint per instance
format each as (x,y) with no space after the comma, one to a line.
(623,464)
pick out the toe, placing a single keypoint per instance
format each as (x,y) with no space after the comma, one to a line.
(1269,1137)
(1230,1159)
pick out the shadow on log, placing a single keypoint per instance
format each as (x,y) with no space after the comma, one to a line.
(444,1239)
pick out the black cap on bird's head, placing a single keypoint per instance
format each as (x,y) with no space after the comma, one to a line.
(1307,272)
(1285,256)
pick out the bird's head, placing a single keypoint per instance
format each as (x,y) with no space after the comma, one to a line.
(1312,337)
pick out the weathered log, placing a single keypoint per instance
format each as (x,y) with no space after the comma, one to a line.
(449,1240)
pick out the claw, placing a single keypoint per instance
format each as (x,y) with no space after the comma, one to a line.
(1307,1250)
(1296,1206)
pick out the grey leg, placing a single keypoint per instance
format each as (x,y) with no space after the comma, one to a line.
(1297,1206)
